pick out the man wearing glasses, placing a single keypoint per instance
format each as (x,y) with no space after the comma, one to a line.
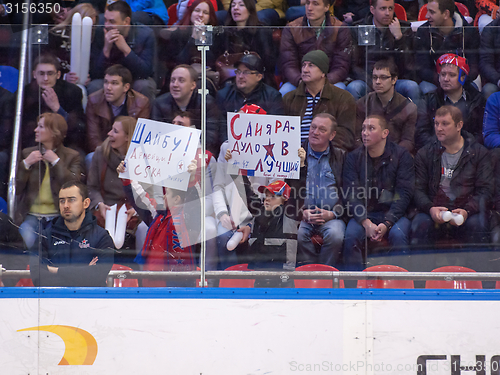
(248,88)
(399,112)
(49,93)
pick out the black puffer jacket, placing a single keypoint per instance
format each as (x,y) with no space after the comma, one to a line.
(432,101)
(472,182)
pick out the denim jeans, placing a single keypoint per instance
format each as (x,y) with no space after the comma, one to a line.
(333,237)
(355,236)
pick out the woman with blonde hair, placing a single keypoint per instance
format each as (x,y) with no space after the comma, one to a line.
(105,187)
(41,173)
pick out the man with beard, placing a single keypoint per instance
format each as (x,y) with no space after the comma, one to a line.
(74,250)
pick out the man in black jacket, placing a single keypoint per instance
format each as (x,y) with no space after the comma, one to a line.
(75,251)
(49,93)
(379,181)
(183,96)
(454,89)
(393,39)
(452,173)
(446,31)
(248,89)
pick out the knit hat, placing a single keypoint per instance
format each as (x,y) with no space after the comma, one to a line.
(318,58)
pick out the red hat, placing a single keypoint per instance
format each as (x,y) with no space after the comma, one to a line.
(450,58)
(253,109)
(279,188)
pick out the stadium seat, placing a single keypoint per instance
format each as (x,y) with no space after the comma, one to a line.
(385,284)
(119,283)
(316,283)
(453,284)
(172,14)
(461,8)
(237,283)
(25,282)
(400,12)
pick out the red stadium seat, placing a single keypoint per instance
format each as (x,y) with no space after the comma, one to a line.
(25,282)
(172,14)
(453,284)
(237,283)
(461,8)
(385,284)
(316,283)
(128,283)
(400,12)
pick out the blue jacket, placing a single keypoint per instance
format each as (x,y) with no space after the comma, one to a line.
(491,121)
(150,6)
(72,255)
(139,61)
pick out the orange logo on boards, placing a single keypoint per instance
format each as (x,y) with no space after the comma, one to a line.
(80,346)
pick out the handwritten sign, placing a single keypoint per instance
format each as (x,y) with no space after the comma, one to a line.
(264,145)
(160,153)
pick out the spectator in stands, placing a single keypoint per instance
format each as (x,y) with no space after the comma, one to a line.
(453,173)
(183,96)
(316,94)
(41,173)
(323,206)
(115,99)
(489,62)
(488,11)
(379,181)
(491,126)
(399,112)
(393,40)
(247,35)
(148,12)
(60,40)
(248,88)
(120,42)
(75,251)
(317,30)
(446,31)
(49,93)
(354,10)
(181,40)
(172,232)
(454,89)
(269,13)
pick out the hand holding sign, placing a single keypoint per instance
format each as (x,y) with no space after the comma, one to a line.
(260,145)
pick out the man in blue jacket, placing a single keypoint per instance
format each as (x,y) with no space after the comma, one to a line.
(74,250)
(379,180)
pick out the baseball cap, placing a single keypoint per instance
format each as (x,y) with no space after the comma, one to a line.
(279,188)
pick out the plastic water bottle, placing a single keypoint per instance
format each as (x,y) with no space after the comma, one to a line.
(234,241)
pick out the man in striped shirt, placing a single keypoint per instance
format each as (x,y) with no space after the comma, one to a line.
(315,94)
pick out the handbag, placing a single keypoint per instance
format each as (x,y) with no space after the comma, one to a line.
(225,64)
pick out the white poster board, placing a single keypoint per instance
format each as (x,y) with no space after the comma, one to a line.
(264,145)
(160,153)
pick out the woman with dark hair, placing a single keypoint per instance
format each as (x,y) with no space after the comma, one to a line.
(247,34)
(181,39)
(41,173)
(268,12)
